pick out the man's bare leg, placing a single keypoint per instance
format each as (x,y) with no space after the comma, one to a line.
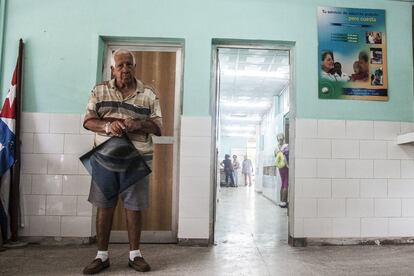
(134,228)
(104,219)
(134,225)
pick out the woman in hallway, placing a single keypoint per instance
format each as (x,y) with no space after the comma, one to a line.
(247,169)
(282,159)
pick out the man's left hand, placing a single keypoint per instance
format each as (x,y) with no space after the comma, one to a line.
(132,125)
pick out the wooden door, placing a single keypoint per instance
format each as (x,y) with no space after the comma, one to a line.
(157,69)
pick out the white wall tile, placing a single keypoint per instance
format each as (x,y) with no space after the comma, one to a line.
(48,143)
(374,227)
(34,163)
(345,149)
(359,208)
(305,207)
(195,166)
(387,168)
(401,227)
(27,142)
(408,207)
(332,208)
(76,184)
(76,226)
(360,130)
(193,228)
(305,167)
(194,186)
(334,168)
(387,207)
(316,148)
(373,188)
(41,226)
(400,151)
(298,228)
(77,144)
(195,126)
(317,227)
(47,184)
(407,169)
(331,129)
(386,130)
(313,187)
(371,149)
(61,205)
(346,227)
(34,205)
(359,168)
(298,148)
(26,184)
(345,188)
(84,207)
(64,123)
(407,127)
(62,164)
(194,207)
(195,146)
(401,188)
(306,128)
(35,122)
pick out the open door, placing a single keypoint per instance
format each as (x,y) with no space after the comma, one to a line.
(159,67)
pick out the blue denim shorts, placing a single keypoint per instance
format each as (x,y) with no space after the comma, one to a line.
(135,197)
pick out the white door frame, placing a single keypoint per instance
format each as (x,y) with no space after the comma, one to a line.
(214,108)
(155,46)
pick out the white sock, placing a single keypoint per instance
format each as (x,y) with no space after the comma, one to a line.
(103,255)
(134,253)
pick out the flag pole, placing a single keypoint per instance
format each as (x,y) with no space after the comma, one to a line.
(14,204)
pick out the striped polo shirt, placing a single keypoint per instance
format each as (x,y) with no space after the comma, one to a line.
(106,103)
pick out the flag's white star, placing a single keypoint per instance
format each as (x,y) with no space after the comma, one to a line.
(1,147)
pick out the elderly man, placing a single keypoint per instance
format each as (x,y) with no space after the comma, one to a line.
(123,105)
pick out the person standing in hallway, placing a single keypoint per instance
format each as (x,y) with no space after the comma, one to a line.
(282,163)
(236,167)
(228,170)
(247,169)
(122,106)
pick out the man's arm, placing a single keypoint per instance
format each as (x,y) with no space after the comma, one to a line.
(115,128)
(137,125)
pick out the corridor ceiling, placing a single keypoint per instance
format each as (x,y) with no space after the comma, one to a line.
(248,80)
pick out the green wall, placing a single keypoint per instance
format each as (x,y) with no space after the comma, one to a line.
(62,41)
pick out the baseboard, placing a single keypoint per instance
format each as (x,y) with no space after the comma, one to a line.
(59,240)
(297,242)
(359,241)
(194,242)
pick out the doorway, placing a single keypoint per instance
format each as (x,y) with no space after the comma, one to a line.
(158,65)
(253,87)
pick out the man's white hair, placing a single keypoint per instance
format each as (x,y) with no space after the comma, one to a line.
(120,52)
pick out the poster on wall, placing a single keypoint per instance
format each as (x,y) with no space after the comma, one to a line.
(352,54)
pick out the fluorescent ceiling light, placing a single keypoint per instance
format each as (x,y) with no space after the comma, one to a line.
(239,128)
(251,118)
(245,104)
(239,134)
(280,73)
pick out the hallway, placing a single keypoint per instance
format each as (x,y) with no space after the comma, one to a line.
(253,244)
(246,218)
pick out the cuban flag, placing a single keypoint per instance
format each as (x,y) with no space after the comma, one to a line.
(7,145)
